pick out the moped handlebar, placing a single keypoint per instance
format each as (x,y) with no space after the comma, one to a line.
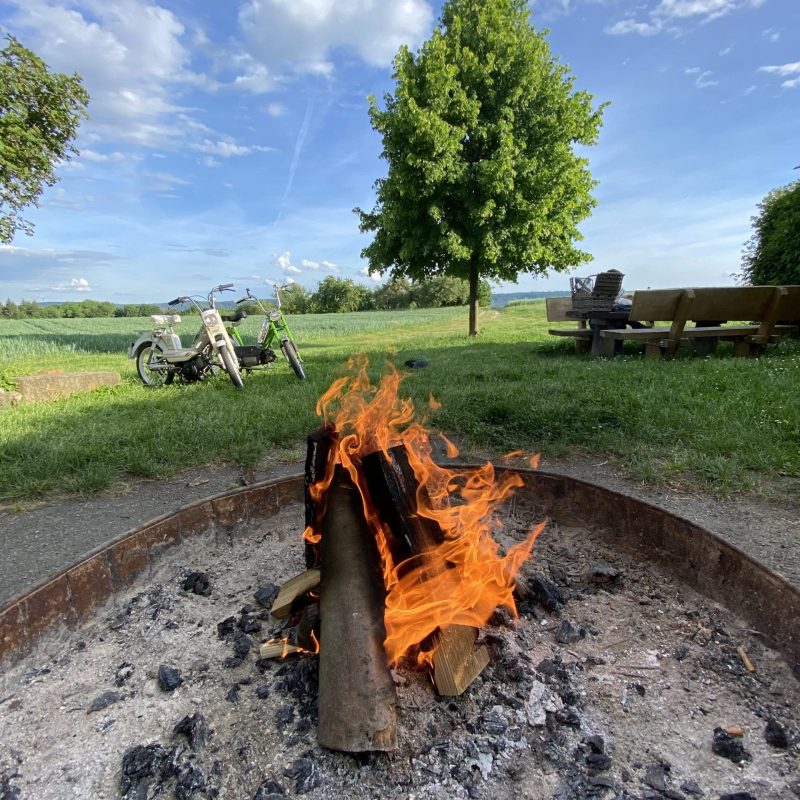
(224,287)
(176,301)
(243,300)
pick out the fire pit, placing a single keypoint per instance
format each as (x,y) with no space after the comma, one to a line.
(649,659)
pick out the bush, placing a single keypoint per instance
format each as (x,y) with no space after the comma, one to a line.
(772,256)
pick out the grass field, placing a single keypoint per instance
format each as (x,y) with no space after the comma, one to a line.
(720,423)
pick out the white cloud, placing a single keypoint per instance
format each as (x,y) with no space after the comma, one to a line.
(726,51)
(329,266)
(792,84)
(75,285)
(225,148)
(276,109)
(130,54)
(306,264)
(256,78)
(284,263)
(703,80)
(303,33)
(750,89)
(782,69)
(374,278)
(93,155)
(626,26)
(771,35)
(668,13)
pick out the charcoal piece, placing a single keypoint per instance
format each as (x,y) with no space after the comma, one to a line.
(681,651)
(124,672)
(242,646)
(568,632)
(284,717)
(232,695)
(416,363)
(249,624)
(264,664)
(730,747)
(548,667)
(195,729)
(775,734)
(672,794)
(270,790)
(303,773)
(568,717)
(262,692)
(656,777)
(692,787)
(191,781)
(602,572)
(493,723)
(227,629)
(596,744)
(545,593)
(232,662)
(737,796)
(601,781)
(7,790)
(103,700)
(198,583)
(598,762)
(169,679)
(143,768)
(473,792)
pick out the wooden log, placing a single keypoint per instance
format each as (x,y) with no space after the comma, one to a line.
(393,489)
(319,452)
(293,589)
(356,694)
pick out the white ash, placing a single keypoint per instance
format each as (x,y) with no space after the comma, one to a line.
(631,705)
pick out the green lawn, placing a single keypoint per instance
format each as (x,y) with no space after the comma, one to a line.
(720,423)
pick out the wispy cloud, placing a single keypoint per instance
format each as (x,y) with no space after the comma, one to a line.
(75,285)
(669,15)
(785,70)
(225,148)
(703,79)
(771,35)
(298,149)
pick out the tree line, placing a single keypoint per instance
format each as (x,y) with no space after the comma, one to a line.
(332,296)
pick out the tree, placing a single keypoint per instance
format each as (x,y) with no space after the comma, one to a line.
(478,136)
(336,295)
(40,112)
(772,255)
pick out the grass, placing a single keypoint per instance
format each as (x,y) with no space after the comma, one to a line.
(718,423)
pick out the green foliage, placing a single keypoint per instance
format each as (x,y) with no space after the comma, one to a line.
(772,255)
(479,136)
(296,300)
(335,295)
(40,112)
(133,310)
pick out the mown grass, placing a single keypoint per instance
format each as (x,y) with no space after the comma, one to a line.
(719,423)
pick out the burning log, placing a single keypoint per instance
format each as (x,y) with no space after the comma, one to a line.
(319,465)
(394,489)
(356,693)
(292,590)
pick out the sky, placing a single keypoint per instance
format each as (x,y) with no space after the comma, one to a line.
(230,141)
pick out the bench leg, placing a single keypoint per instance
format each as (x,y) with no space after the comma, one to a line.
(652,350)
(706,346)
(742,350)
(583,346)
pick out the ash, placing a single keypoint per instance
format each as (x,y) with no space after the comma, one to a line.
(616,681)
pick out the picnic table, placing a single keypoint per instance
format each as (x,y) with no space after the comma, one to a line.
(599,321)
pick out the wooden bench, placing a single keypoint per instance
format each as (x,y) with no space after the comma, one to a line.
(557,310)
(764,307)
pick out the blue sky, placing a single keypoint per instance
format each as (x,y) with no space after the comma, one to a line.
(229,141)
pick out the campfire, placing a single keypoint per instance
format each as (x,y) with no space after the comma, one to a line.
(402,564)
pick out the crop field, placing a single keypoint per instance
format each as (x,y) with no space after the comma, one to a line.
(720,423)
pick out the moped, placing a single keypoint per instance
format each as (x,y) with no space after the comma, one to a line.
(160,356)
(274,329)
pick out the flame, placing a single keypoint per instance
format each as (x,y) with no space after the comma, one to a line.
(464,578)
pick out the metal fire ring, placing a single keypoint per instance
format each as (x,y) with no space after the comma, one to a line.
(701,559)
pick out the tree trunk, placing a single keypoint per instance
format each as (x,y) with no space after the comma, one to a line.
(473,298)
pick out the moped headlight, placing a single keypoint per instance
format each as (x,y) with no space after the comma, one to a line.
(274,316)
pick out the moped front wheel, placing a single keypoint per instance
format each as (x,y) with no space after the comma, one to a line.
(231,367)
(149,376)
(290,351)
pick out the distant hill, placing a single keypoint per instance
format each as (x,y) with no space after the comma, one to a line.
(504,298)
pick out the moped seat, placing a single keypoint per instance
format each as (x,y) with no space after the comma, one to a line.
(165,319)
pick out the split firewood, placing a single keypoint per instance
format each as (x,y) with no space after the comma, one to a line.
(356,694)
(293,589)
(279,649)
(320,454)
(393,489)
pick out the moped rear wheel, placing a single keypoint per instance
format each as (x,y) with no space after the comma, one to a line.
(151,377)
(290,351)
(231,367)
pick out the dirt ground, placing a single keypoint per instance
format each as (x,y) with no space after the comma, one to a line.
(43,539)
